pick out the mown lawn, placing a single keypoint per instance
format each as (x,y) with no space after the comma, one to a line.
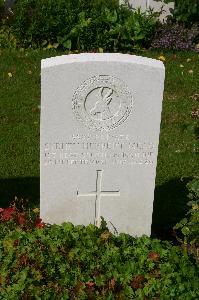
(19,131)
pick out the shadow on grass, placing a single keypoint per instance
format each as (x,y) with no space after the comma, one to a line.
(22,188)
(170,203)
(170,206)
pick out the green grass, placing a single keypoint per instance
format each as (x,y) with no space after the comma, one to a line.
(19,131)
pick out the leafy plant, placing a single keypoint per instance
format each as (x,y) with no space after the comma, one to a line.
(1,9)
(185,11)
(189,226)
(7,39)
(82,25)
(76,262)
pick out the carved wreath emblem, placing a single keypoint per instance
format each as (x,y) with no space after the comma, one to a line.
(102,102)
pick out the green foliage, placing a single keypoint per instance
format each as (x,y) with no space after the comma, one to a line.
(193,188)
(82,25)
(189,226)
(7,39)
(192,127)
(185,11)
(2,4)
(1,8)
(78,262)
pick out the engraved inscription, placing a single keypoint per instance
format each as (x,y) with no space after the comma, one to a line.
(98,194)
(102,102)
(100,151)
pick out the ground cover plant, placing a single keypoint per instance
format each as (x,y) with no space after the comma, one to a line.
(176,36)
(44,261)
(189,226)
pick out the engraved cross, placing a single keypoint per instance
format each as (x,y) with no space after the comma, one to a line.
(98,194)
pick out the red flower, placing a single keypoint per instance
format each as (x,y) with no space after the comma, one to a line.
(137,282)
(16,243)
(7,213)
(112,283)
(21,219)
(154,256)
(23,260)
(39,223)
(1,209)
(90,284)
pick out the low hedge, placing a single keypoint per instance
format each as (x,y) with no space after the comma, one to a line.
(82,25)
(41,261)
(97,25)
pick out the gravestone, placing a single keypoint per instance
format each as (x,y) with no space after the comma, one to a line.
(100,123)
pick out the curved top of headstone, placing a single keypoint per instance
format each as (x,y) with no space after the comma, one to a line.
(100,57)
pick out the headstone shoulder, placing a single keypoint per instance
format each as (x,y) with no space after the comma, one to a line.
(101,57)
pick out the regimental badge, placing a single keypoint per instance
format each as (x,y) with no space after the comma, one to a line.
(102,102)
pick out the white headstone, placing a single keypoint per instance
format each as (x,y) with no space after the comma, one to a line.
(100,122)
